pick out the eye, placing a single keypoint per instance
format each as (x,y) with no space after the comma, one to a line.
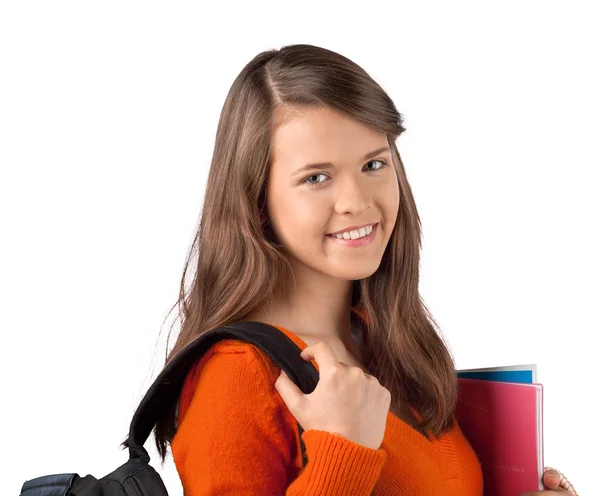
(381,162)
(314,179)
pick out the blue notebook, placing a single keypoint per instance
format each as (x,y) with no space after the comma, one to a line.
(524,374)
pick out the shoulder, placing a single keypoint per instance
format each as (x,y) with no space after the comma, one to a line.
(236,370)
(244,355)
(229,408)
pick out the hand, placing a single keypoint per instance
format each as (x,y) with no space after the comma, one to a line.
(555,483)
(346,401)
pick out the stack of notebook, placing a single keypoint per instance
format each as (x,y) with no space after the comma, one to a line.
(500,412)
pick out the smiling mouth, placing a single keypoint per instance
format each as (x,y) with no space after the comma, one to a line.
(355,237)
(359,233)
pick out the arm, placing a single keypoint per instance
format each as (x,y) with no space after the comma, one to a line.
(237,437)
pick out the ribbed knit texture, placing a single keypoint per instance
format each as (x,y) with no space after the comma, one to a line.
(237,437)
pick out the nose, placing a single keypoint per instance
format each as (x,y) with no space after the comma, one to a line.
(352,197)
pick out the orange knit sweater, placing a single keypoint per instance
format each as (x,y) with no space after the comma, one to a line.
(237,437)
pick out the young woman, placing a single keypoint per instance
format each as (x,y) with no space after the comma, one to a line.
(309,225)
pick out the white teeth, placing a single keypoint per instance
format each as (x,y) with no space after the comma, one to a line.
(356,233)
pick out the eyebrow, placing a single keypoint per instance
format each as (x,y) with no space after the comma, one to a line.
(326,165)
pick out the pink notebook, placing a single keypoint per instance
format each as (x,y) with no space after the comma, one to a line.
(503,423)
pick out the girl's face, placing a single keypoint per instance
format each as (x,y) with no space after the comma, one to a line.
(355,197)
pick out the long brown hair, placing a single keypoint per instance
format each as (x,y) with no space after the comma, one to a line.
(239,264)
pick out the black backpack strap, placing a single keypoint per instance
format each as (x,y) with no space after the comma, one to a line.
(165,390)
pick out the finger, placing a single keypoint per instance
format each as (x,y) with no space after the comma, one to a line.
(546,492)
(322,353)
(289,392)
(550,474)
(551,478)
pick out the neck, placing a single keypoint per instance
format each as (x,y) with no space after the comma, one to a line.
(314,306)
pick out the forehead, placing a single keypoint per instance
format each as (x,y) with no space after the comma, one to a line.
(320,135)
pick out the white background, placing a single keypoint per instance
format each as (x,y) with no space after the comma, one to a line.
(108,112)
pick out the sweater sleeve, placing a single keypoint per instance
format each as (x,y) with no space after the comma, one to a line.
(238,437)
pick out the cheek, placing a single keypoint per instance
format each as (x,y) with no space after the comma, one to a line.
(389,204)
(296,219)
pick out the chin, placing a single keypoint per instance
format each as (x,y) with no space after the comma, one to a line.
(354,273)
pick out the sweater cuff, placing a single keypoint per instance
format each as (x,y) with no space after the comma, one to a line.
(345,468)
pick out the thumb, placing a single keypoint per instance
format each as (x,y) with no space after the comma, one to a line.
(551,478)
(289,392)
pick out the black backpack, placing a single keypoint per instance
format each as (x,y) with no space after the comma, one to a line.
(136,477)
